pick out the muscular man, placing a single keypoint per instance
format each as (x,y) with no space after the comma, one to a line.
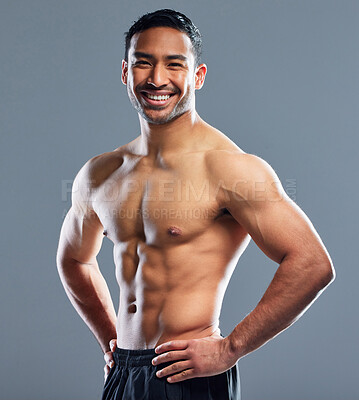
(180,204)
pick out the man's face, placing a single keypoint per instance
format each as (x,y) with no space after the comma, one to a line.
(160,74)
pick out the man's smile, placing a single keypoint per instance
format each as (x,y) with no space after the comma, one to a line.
(157,97)
(154,97)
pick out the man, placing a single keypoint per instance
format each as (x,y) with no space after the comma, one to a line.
(180,203)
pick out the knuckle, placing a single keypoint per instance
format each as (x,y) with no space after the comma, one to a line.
(184,373)
(164,358)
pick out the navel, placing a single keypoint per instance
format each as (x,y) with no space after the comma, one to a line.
(174,231)
(132,308)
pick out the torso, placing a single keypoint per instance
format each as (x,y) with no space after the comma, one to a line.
(175,245)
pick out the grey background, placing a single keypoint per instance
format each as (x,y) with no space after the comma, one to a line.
(282,83)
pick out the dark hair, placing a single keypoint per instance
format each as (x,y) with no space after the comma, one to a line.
(169,18)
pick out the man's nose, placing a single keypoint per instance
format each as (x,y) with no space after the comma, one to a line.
(158,76)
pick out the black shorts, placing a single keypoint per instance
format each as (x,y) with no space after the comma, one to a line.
(133,377)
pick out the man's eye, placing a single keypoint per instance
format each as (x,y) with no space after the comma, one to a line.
(175,65)
(141,62)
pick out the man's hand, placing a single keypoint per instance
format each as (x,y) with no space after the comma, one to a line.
(108,357)
(196,358)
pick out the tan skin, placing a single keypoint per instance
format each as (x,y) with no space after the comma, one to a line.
(180,204)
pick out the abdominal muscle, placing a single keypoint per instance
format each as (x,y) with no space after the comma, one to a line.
(162,300)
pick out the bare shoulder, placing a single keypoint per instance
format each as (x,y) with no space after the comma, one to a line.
(242,174)
(227,161)
(99,168)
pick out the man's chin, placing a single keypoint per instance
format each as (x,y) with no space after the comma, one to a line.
(158,119)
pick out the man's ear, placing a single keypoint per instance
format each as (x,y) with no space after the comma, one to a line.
(201,72)
(124,72)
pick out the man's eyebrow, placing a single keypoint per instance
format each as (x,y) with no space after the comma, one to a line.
(177,57)
(141,54)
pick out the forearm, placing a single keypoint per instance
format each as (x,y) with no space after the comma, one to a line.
(293,289)
(89,294)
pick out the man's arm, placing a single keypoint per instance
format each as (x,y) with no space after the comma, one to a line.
(80,241)
(285,234)
(251,191)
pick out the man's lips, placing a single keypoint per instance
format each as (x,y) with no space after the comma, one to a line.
(157,91)
(157,97)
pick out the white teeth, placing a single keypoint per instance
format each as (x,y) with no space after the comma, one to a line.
(154,97)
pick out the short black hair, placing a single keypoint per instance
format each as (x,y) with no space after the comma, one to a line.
(169,18)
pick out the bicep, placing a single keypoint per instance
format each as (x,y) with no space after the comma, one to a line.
(81,236)
(279,228)
(277,225)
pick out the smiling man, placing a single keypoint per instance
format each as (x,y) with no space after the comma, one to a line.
(180,204)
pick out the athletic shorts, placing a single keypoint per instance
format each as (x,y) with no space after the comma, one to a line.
(133,377)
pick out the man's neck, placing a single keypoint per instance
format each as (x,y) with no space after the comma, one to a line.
(175,136)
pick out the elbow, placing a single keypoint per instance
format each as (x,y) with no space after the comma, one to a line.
(326,272)
(331,272)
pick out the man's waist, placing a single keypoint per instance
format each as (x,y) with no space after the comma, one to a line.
(129,357)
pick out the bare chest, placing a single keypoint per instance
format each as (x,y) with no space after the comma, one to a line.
(157,206)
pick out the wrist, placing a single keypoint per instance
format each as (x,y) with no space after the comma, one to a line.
(236,345)
(105,341)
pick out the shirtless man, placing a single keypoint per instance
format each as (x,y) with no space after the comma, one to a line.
(180,204)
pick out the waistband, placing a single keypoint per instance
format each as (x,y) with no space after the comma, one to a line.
(128,357)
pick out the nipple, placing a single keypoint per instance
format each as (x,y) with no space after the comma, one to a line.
(174,231)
